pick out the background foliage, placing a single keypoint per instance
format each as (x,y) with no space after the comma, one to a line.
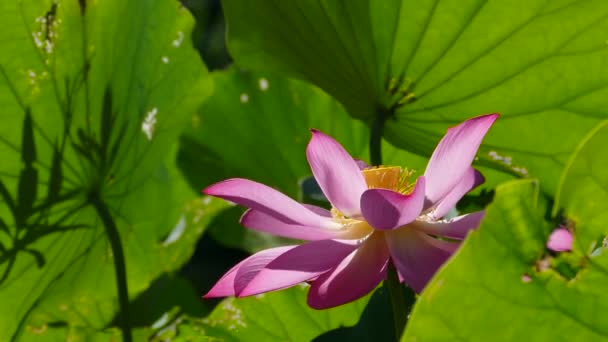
(109,113)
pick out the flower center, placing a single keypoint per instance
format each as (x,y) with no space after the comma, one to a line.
(389,177)
(393,178)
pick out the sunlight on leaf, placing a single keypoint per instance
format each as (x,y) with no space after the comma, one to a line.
(76,81)
(276,316)
(504,268)
(583,192)
(435,63)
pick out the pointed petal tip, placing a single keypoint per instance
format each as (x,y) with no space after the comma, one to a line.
(225,286)
(486,117)
(298,265)
(336,172)
(321,136)
(454,154)
(208,295)
(207,191)
(491,118)
(216,188)
(315,132)
(218,291)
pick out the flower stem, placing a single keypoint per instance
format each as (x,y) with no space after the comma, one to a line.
(375,137)
(119,266)
(402,298)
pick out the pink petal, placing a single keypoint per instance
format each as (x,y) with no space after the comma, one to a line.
(417,256)
(454,154)
(253,265)
(226,286)
(387,209)
(560,240)
(262,222)
(267,200)
(448,246)
(358,274)
(336,172)
(472,178)
(300,264)
(362,165)
(455,228)
(318,210)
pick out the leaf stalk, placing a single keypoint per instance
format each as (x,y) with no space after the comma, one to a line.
(119,266)
(402,297)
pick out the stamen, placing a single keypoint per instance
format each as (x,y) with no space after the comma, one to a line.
(389,177)
(353,228)
(337,214)
(382,177)
(405,187)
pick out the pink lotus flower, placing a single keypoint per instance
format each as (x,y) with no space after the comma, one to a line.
(377,217)
(560,240)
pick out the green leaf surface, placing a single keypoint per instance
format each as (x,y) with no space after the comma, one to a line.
(275,316)
(161,294)
(435,63)
(63,333)
(502,285)
(583,193)
(375,324)
(256,125)
(166,297)
(94,96)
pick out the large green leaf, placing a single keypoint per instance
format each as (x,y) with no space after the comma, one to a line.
(345,47)
(256,125)
(86,315)
(375,324)
(584,190)
(503,285)
(276,316)
(434,63)
(63,333)
(93,97)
